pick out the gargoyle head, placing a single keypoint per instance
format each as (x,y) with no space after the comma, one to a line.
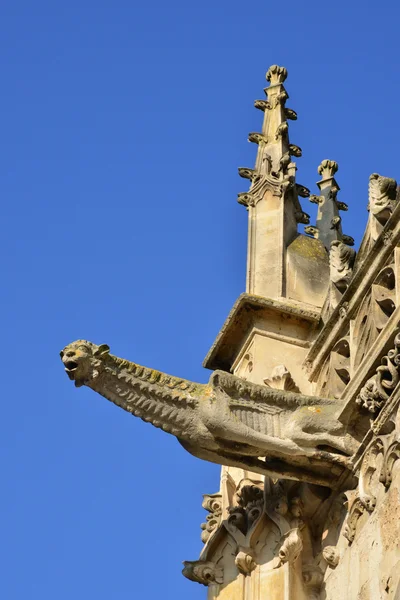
(82,361)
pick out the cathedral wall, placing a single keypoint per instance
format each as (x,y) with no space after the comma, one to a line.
(369,566)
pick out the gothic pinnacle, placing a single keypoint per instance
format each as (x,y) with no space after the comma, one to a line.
(329,224)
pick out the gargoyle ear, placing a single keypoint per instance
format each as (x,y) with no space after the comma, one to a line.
(102,349)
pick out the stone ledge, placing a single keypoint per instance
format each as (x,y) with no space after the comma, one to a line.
(242,318)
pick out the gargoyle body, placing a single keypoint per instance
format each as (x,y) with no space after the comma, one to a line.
(228,421)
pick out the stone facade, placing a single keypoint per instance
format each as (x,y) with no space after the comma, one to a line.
(302,410)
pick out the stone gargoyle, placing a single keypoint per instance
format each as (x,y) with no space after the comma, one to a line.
(228,421)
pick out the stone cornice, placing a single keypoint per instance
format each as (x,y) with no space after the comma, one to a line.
(338,322)
(240,320)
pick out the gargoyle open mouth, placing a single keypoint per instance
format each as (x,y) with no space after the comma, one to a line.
(70,366)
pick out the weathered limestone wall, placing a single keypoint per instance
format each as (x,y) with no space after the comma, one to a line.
(369,566)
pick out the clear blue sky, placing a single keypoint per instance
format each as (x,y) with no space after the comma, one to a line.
(123,124)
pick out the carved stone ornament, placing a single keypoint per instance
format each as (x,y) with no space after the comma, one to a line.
(262,105)
(285,162)
(295,150)
(213,421)
(290,114)
(212,503)
(246,173)
(291,547)
(378,389)
(373,473)
(282,130)
(245,199)
(302,191)
(281,379)
(302,217)
(312,230)
(382,194)
(328,168)
(257,138)
(245,561)
(341,262)
(276,74)
(202,571)
(242,520)
(331,556)
(316,199)
(278,99)
(347,239)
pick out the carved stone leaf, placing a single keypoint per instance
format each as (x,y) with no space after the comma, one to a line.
(281,379)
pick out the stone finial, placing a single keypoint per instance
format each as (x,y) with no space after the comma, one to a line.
(328,168)
(276,74)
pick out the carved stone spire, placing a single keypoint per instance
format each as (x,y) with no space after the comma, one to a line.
(272,201)
(329,230)
(329,223)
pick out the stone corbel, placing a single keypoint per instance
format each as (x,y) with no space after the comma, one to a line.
(245,560)
(242,520)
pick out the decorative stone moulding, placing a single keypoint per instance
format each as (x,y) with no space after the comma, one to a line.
(213,504)
(364,498)
(378,389)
